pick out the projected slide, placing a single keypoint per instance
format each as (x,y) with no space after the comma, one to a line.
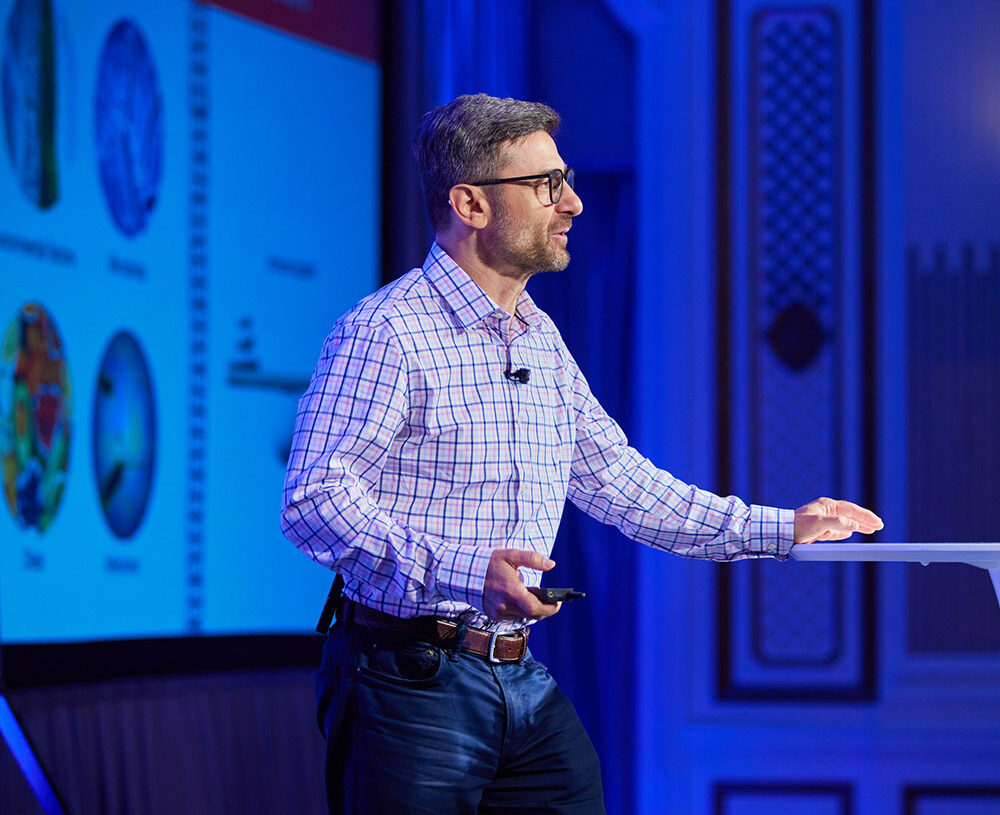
(287,278)
(180,227)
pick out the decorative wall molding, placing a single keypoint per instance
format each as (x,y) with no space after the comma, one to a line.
(930,799)
(736,798)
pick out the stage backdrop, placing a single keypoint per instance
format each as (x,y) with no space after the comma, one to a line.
(188,198)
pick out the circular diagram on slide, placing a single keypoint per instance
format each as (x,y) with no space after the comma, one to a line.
(29,99)
(124,436)
(34,417)
(129,128)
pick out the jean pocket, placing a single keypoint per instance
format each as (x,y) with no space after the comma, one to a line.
(409,663)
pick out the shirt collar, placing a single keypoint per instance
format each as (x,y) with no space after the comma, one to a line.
(469,303)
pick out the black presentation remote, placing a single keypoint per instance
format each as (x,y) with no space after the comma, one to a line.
(556,595)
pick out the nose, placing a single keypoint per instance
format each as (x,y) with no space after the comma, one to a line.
(570,203)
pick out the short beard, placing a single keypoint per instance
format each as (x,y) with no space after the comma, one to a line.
(522,248)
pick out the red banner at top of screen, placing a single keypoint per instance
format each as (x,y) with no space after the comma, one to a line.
(351,26)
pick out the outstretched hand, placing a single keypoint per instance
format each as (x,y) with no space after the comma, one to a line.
(827,520)
(505,597)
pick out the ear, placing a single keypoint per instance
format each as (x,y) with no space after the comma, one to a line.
(470,205)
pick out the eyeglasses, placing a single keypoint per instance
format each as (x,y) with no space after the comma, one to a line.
(554,177)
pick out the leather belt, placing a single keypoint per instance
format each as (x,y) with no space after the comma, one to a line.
(494,646)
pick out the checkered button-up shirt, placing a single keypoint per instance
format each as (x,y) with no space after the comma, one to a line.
(414,456)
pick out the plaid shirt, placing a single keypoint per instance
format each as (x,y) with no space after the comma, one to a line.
(414,456)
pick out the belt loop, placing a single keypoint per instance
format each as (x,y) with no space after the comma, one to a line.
(459,640)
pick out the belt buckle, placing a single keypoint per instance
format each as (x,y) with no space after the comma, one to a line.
(491,649)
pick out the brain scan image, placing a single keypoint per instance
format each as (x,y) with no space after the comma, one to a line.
(129,128)
(124,434)
(29,99)
(34,418)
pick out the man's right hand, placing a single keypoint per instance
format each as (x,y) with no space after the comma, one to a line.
(505,597)
(827,520)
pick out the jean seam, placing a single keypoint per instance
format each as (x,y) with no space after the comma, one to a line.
(506,730)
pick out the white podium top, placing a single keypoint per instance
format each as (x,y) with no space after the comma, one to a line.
(983,555)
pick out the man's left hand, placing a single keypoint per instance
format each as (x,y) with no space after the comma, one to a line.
(827,520)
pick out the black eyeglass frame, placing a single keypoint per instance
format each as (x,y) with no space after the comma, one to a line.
(565,177)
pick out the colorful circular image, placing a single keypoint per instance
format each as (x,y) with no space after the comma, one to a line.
(29,99)
(34,418)
(129,124)
(124,434)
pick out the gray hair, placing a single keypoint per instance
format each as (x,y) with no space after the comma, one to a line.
(464,141)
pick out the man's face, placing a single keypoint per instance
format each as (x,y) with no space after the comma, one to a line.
(527,232)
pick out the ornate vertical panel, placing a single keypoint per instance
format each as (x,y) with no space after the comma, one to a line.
(795,240)
(795,249)
(794,631)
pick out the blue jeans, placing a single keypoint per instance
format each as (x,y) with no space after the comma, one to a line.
(412,727)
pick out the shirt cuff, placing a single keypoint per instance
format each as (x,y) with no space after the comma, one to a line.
(462,573)
(772,531)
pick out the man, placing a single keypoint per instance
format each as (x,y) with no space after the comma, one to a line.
(444,427)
